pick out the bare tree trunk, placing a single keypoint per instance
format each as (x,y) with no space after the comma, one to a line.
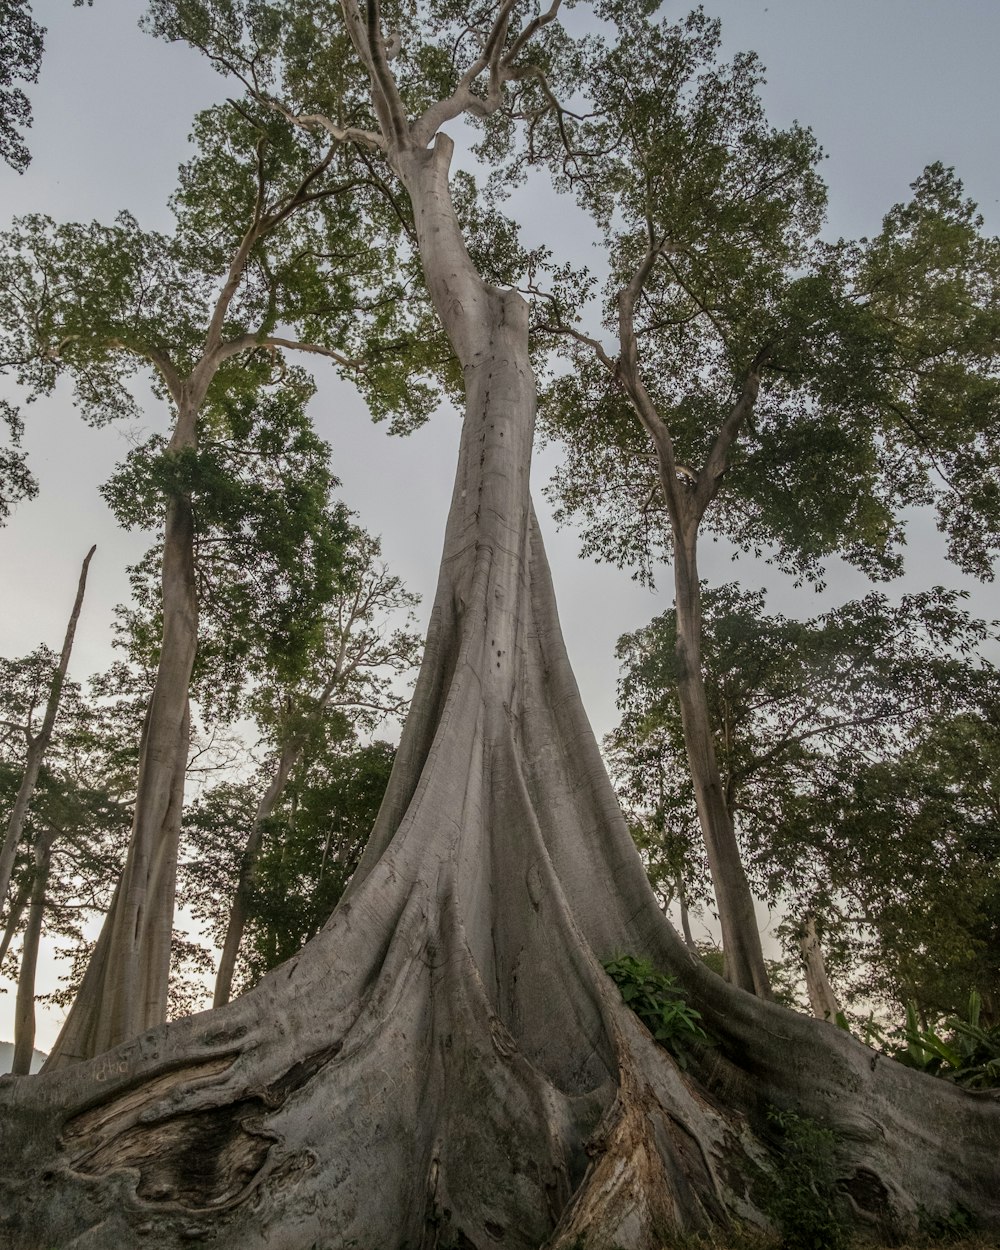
(39,743)
(689,941)
(290,755)
(741,944)
(124,990)
(822,998)
(24,1009)
(17,906)
(447,1063)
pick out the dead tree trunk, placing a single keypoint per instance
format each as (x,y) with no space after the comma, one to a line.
(38,744)
(822,997)
(447,1063)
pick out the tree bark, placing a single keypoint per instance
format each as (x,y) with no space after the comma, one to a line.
(24,1008)
(39,743)
(124,990)
(741,943)
(447,1063)
(290,755)
(822,998)
(17,906)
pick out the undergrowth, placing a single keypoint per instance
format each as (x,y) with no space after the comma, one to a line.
(659,1002)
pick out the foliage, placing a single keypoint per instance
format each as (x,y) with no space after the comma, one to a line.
(659,1002)
(846,747)
(84,791)
(21,42)
(269,544)
(876,360)
(802,1193)
(312,844)
(16,480)
(957,1049)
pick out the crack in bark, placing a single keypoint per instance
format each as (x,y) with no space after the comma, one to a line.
(207,1159)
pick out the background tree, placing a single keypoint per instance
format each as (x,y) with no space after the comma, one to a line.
(21,41)
(100,303)
(76,828)
(308,846)
(344,687)
(37,743)
(808,717)
(785,394)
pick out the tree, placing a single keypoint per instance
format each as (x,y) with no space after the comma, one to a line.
(75,829)
(308,847)
(781,392)
(100,303)
(348,677)
(447,1059)
(806,716)
(20,59)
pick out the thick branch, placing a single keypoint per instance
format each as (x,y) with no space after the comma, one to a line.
(718,458)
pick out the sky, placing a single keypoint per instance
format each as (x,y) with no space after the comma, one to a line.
(887,85)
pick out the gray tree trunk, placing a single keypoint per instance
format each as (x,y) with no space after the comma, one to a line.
(447,1063)
(24,1008)
(290,755)
(124,990)
(39,743)
(741,945)
(822,996)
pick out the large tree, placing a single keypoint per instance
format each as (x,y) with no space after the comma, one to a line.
(447,1062)
(267,257)
(751,380)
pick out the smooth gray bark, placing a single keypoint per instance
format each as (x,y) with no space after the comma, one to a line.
(124,989)
(741,944)
(38,743)
(687,495)
(822,996)
(447,1062)
(291,752)
(24,1008)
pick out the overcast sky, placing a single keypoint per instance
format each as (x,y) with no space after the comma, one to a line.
(887,85)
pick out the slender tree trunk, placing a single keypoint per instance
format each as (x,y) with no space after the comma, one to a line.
(38,745)
(822,998)
(24,1009)
(18,904)
(447,1063)
(689,941)
(124,990)
(290,755)
(740,936)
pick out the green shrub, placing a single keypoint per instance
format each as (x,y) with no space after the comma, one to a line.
(958,1049)
(659,1002)
(801,1197)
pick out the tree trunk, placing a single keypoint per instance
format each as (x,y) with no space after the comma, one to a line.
(686,933)
(239,911)
(741,944)
(447,1063)
(17,906)
(24,1009)
(39,744)
(822,998)
(124,990)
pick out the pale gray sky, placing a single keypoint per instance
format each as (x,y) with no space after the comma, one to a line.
(887,85)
